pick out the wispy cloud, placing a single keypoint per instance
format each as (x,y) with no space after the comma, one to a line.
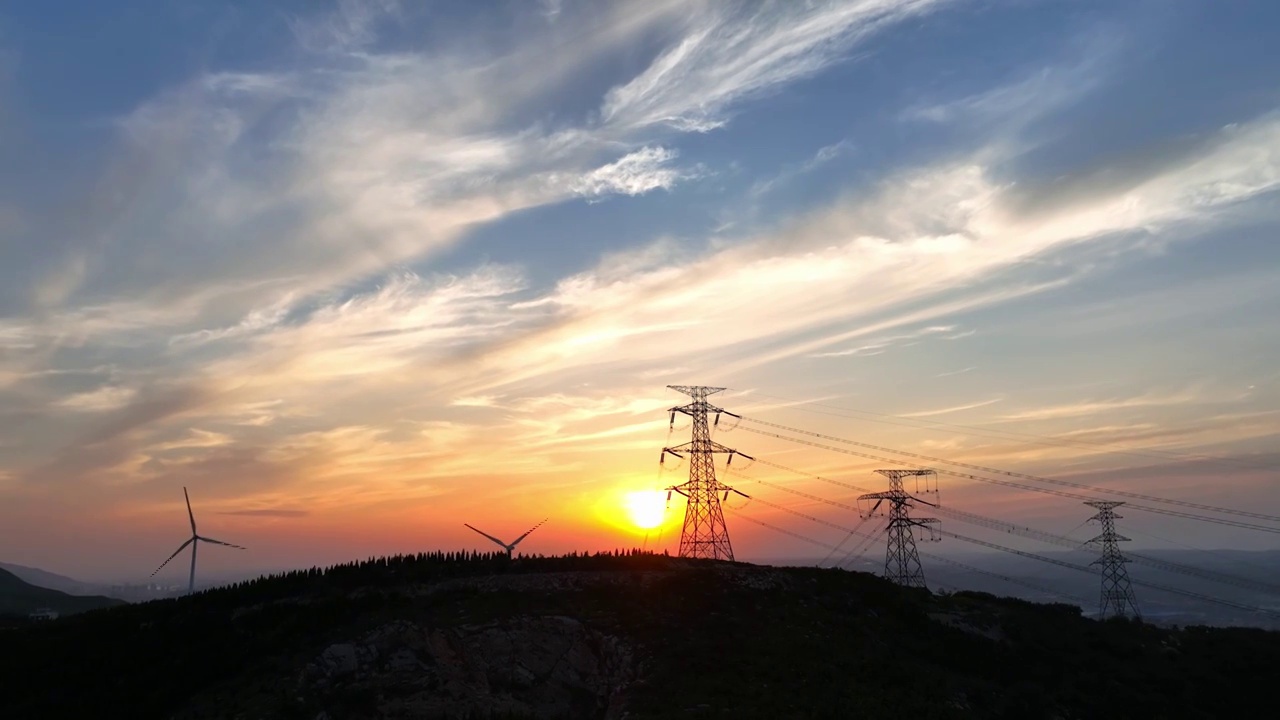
(823,156)
(267,296)
(1092,407)
(635,174)
(731,52)
(879,345)
(108,397)
(276,513)
(949,410)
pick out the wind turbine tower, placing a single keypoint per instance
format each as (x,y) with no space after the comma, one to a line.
(511,546)
(194,541)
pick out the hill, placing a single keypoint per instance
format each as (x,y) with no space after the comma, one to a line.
(481,636)
(52,581)
(19,598)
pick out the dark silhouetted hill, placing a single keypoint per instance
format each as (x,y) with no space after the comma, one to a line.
(18,598)
(52,581)
(619,635)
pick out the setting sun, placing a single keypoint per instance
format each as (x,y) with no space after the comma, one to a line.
(646,508)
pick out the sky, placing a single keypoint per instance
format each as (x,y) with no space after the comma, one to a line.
(355,273)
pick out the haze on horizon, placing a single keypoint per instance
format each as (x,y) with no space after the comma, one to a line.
(356,273)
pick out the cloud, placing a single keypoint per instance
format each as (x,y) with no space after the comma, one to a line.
(877,346)
(277,513)
(728,53)
(242,316)
(1013,106)
(195,439)
(925,233)
(1094,407)
(635,174)
(104,398)
(350,27)
(823,156)
(476,401)
(949,410)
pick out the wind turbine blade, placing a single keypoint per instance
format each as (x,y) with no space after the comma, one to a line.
(189,513)
(535,527)
(504,545)
(219,542)
(181,547)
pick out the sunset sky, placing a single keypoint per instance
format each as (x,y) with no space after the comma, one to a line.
(356,273)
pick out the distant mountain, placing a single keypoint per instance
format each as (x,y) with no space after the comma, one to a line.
(636,635)
(52,581)
(18,597)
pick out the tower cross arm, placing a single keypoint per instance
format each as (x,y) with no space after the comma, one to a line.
(883,495)
(696,391)
(710,446)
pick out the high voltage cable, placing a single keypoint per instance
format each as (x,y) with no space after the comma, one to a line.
(803,494)
(775,528)
(799,493)
(1004,434)
(1082,568)
(841,483)
(861,549)
(1024,476)
(1022,553)
(1166,565)
(810,518)
(844,540)
(1006,578)
(1204,574)
(994,524)
(1020,486)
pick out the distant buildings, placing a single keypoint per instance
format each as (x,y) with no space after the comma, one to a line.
(44,614)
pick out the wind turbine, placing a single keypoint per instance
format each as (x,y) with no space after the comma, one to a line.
(195,540)
(508,546)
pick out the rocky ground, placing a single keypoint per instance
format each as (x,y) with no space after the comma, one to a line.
(630,637)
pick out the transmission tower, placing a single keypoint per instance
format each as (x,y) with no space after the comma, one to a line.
(901,559)
(1117,593)
(705,534)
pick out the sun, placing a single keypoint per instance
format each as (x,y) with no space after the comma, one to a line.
(646,508)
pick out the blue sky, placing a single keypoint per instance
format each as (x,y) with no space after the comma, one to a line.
(352,270)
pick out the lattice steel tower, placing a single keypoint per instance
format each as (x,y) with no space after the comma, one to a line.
(705,534)
(901,559)
(1117,593)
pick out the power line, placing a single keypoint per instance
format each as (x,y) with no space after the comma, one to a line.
(808,517)
(1050,538)
(1006,578)
(1006,483)
(798,493)
(770,463)
(775,528)
(1081,568)
(846,538)
(1024,476)
(860,547)
(995,434)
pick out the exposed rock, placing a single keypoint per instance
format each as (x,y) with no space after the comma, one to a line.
(970,625)
(543,667)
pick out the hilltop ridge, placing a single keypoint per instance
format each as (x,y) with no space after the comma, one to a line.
(619,635)
(18,598)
